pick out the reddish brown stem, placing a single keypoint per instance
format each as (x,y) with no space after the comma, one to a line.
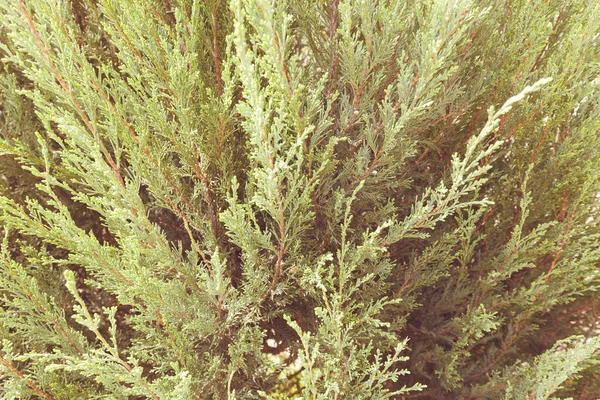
(539,144)
(210,199)
(559,251)
(481,223)
(162,323)
(453,32)
(216,49)
(487,390)
(501,354)
(368,171)
(529,117)
(54,321)
(539,57)
(29,383)
(333,25)
(61,81)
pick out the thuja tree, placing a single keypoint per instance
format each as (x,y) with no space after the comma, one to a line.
(299,199)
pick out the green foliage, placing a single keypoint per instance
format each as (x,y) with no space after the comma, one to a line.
(299,199)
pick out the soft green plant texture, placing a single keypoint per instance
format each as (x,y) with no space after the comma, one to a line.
(299,199)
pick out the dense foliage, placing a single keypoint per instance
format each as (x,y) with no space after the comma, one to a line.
(338,199)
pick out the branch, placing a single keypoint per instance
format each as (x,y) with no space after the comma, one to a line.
(216,49)
(29,383)
(68,90)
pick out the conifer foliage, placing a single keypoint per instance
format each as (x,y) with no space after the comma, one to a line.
(314,199)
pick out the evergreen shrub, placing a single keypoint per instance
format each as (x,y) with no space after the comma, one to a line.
(342,199)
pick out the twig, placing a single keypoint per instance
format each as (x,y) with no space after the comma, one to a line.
(29,383)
